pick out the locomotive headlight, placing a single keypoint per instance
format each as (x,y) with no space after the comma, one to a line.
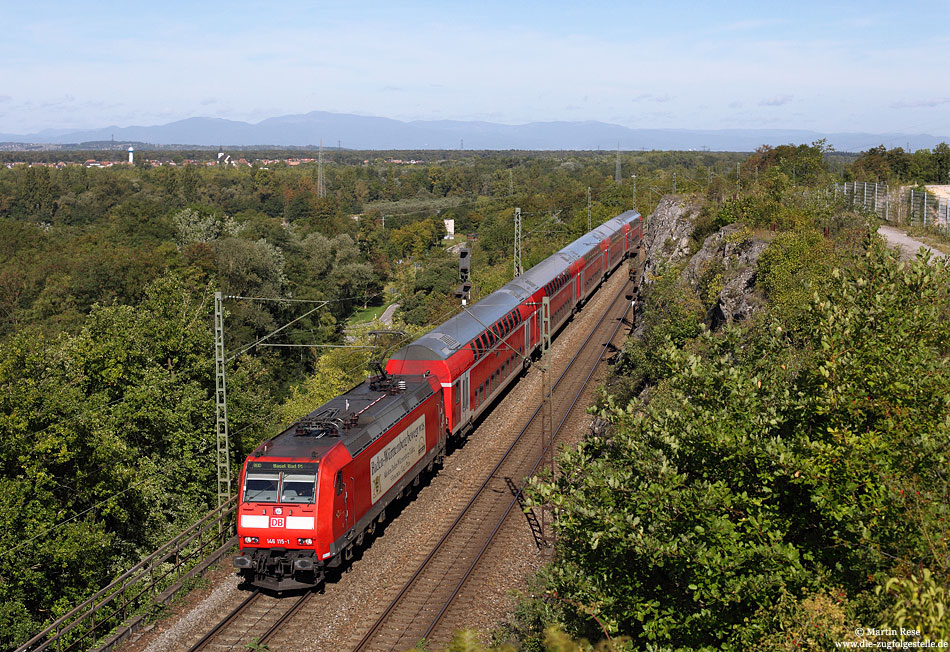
(305,542)
(251,539)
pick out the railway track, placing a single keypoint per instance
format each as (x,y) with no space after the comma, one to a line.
(423,607)
(255,621)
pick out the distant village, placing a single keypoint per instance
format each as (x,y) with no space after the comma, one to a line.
(222,159)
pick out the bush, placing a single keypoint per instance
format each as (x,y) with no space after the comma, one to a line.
(791,271)
(670,314)
(767,466)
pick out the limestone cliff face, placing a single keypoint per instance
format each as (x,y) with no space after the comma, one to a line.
(721,273)
(726,266)
(666,241)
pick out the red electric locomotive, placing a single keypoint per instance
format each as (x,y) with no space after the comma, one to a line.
(309,495)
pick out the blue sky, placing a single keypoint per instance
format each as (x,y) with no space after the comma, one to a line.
(849,66)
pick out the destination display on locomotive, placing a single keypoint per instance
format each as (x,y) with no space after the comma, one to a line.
(305,467)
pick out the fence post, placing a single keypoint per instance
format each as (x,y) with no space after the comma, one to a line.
(925,209)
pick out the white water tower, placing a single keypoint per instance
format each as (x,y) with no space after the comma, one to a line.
(131,155)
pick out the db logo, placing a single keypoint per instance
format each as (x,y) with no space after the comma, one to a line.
(277,522)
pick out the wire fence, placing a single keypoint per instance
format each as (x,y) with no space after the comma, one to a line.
(906,206)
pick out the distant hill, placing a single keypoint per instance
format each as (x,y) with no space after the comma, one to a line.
(367,132)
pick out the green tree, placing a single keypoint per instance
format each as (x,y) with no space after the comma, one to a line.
(765,465)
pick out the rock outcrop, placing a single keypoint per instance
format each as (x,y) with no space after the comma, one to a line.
(669,228)
(722,273)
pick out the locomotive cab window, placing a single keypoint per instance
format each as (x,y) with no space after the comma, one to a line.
(297,488)
(261,487)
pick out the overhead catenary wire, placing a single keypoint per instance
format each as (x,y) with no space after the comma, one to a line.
(272,333)
(93,411)
(322,303)
(282,300)
(396,342)
(323,346)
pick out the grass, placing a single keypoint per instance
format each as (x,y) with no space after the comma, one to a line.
(367,315)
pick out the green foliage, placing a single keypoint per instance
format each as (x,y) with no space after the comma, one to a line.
(794,267)
(814,621)
(554,640)
(256,646)
(415,239)
(767,466)
(428,294)
(804,165)
(922,166)
(105,450)
(193,225)
(671,315)
(920,603)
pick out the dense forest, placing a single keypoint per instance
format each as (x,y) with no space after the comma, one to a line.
(106,361)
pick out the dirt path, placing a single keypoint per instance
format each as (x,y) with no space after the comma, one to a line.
(906,245)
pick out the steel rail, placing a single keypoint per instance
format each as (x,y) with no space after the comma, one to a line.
(227,620)
(237,611)
(287,616)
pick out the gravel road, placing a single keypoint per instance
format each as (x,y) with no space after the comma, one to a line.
(907,245)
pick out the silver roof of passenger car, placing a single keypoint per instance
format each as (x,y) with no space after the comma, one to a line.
(444,340)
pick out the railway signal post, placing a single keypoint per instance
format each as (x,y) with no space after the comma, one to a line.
(465,267)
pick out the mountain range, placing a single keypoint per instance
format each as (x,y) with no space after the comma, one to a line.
(367,132)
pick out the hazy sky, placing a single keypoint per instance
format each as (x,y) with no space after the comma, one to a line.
(852,66)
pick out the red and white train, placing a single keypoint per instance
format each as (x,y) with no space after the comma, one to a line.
(310,495)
